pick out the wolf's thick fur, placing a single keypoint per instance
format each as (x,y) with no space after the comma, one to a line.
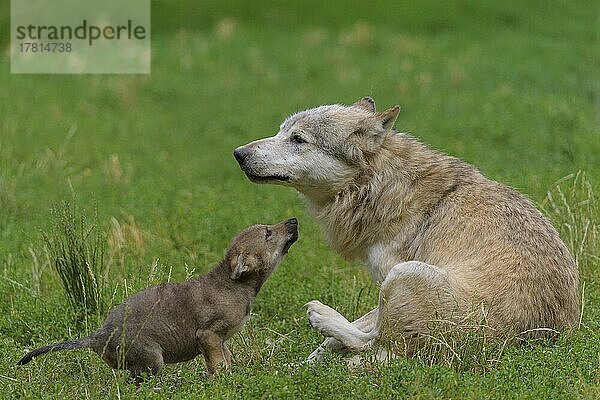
(435,233)
(175,322)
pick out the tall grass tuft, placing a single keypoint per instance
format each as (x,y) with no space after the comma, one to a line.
(462,344)
(574,210)
(76,252)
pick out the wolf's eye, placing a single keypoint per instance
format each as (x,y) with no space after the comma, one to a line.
(268,233)
(296,138)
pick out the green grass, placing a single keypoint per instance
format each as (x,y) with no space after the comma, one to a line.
(513,88)
(76,251)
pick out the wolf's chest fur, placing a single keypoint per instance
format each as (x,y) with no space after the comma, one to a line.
(379,260)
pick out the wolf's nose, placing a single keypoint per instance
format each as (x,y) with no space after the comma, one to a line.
(293,221)
(240,154)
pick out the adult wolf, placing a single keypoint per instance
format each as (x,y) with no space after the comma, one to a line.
(434,232)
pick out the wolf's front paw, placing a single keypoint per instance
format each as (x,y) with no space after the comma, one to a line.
(321,317)
(314,312)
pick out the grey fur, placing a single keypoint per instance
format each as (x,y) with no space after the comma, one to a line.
(439,237)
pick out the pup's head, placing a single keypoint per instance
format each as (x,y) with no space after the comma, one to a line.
(259,248)
(319,150)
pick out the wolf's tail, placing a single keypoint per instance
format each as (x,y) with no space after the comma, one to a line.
(68,345)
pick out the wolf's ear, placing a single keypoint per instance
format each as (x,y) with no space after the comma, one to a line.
(374,129)
(388,118)
(239,268)
(366,103)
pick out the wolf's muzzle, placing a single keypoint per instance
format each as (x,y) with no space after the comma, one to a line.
(240,154)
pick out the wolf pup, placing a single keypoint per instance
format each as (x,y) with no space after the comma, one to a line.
(439,237)
(174,322)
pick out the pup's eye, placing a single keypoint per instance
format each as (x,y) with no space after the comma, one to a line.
(268,233)
(296,138)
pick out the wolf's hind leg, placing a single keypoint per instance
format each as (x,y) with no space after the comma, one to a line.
(411,296)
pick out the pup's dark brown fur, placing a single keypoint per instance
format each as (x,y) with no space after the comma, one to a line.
(174,322)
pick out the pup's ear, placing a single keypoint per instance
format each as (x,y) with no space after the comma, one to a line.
(373,130)
(366,103)
(239,268)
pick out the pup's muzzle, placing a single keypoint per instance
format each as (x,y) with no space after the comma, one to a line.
(292,227)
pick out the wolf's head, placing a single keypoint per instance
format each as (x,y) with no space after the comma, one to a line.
(321,150)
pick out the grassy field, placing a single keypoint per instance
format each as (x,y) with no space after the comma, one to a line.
(512,87)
